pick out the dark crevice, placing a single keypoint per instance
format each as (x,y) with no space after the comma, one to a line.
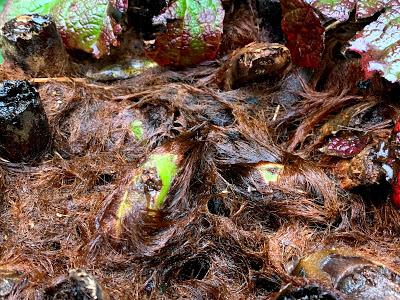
(195,268)
(375,194)
(217,207)
(264,284)
(104,179)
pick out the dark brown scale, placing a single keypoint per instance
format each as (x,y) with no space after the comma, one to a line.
(254,63)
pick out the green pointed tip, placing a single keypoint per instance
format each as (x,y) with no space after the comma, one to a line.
(137,129)
(166,166)
(270,172)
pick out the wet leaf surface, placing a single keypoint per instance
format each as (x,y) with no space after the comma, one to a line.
(304,33)
(78,285)
(192,31)
(379,44)
(122,70)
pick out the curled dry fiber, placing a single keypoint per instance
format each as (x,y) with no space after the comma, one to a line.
(214,238)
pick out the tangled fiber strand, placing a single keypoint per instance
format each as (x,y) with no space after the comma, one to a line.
(219,235)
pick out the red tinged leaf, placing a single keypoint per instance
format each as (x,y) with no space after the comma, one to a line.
(379,44)
(192,33)
(394,145)
(347,145)
(396,190)
(304,33)
(120,5)
(289,5)
(394,150)
(397,127)
(341,9)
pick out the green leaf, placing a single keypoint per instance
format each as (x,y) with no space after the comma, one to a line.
(23,7)
(2,3)
(86,25)
(137,198)
(192,33)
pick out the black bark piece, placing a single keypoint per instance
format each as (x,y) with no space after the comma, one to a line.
(24,129)
(33,42)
